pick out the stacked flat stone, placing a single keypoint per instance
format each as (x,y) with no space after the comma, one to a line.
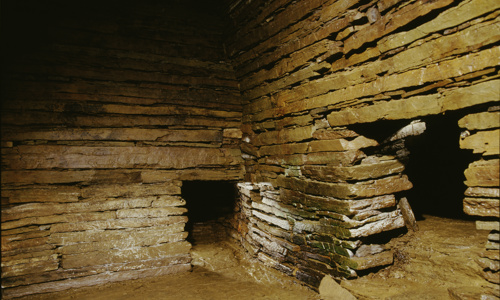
(482,197)
(311,74)
(99,129)
(314,219)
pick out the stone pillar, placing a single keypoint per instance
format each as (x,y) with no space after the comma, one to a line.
(482,135)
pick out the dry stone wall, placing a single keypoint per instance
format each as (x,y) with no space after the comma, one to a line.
(322,195)
(106,108)
(482,136)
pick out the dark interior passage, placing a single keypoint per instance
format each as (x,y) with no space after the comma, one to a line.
(436,168)
(209,204)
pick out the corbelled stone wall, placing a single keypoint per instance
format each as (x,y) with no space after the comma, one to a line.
(319,79)
(107,106)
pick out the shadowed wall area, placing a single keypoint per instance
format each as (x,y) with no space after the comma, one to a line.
(318,110)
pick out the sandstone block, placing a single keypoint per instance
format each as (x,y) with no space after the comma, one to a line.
(65,218)
(482,192)
(333,134)
(117,223)
(357,172)
(119,134)
(272,220)
(150,212)
(94,280)
(284,136)
(485,142)
(341,144)
(43,194)
(359,190)
(488,225)
(485,207)
(48,209)
(345,158)
(99,235)
(76,157)
(134,240)
(30,266)
(375,260)
(481,121)
(483,173)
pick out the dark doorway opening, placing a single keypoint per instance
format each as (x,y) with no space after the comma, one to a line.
(436,168)
(209,204)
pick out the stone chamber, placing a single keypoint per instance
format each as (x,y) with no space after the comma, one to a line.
(312,133)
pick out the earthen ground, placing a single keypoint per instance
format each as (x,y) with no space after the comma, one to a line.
(436,262)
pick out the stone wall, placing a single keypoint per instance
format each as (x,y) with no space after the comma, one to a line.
(326,180)
(106,108)
(481,135)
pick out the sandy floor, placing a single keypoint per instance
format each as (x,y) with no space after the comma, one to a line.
(439,258)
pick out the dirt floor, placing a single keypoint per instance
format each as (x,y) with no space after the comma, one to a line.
(437,262)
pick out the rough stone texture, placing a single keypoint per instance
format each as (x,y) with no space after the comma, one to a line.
(482,196)
(330,290)
(102,120)
(315,77)
(104,117)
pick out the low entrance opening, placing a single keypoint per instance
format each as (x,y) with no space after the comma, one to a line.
(436,168)
(210,204)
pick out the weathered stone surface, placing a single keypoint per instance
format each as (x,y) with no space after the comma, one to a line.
(375,260)
(43,194)
(357,172)
(294,148)
(344,221)
(117,157)
(452,17)
(483,173)
(30,266)
(144,239)
(390,22)
(121,256)
(494,255)
(283,136)
(156,176)
(150,212)
(485,207)
(341,144)
(407,212)
(94,280)
(61,274)
(48,209)
(413,107)
(117,223)
(98,235)
(472,293)
(121,134)
(272,220)
(379,226)
(492,276)
(488,225)
(482,192)
(329,289)
(481,121)
(486,263)
(363,189)
(8,245)
(351,208)
(334,158)
(484,142)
